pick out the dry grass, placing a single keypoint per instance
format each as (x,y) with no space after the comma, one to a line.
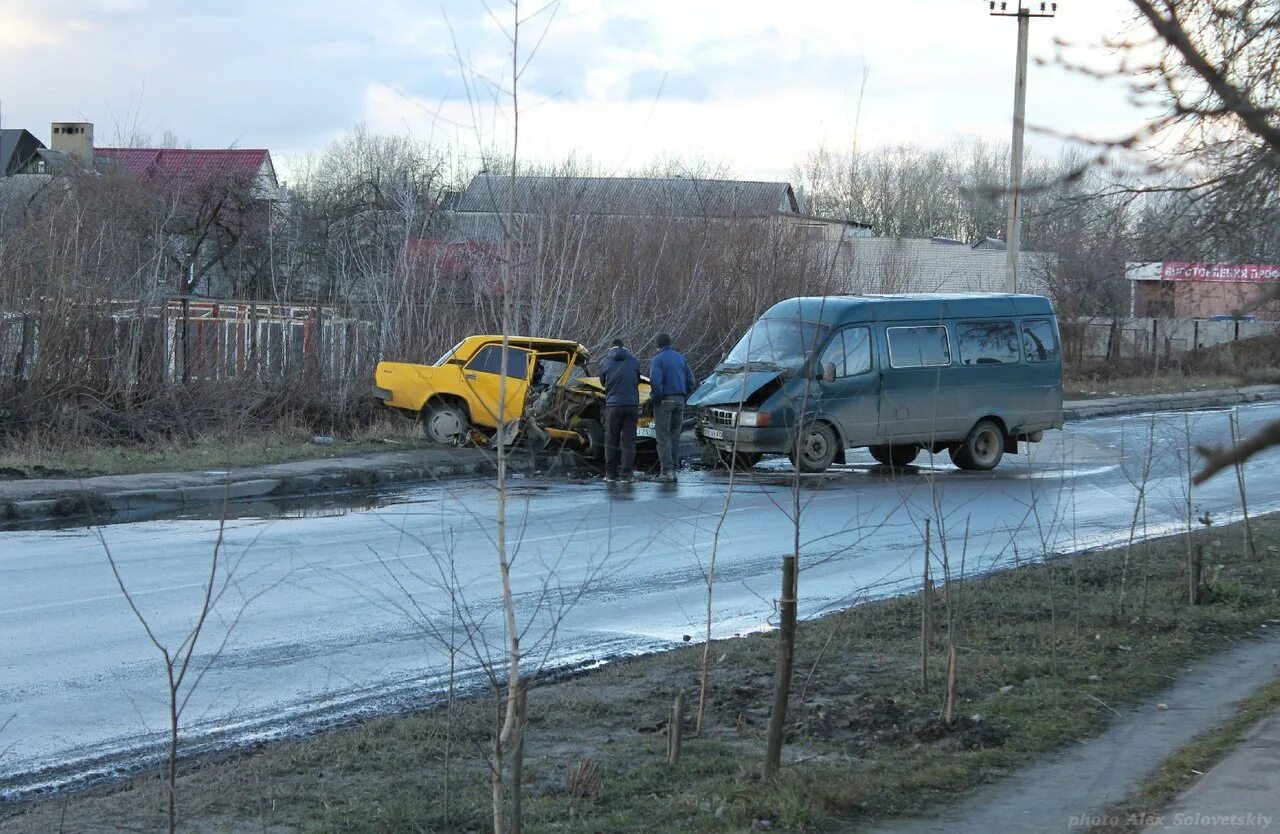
(41,456)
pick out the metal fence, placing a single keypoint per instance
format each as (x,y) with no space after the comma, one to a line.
(129,343)
(1128,338)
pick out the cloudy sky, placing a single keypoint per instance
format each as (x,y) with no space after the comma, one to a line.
(751,84)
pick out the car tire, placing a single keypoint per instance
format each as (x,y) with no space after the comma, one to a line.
(445,422)
(982,449)
(594,434)
(895,455)
(816,447)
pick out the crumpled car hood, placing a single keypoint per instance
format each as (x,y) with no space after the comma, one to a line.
(723,388)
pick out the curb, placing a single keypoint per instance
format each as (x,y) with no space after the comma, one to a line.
(1086,409)
(92,503)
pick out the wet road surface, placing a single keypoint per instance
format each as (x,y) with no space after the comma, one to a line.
(332,612)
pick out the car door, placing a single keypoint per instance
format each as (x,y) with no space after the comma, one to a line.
(483,375)
(848,388)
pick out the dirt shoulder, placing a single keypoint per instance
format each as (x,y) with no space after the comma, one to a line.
(1048,655)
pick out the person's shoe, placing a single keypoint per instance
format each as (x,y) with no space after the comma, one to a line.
(609,480)
(627,479)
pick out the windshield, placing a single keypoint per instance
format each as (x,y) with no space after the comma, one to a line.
(779,344)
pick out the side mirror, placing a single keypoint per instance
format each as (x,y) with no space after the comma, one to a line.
(828,371)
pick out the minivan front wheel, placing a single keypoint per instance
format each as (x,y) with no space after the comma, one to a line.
(982,449)
(816,447)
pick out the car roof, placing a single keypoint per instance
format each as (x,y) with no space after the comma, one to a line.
(529,342)
(841,309)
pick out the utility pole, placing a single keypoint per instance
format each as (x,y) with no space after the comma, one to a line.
(1013,236)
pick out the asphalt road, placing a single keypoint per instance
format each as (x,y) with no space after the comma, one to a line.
(330,613)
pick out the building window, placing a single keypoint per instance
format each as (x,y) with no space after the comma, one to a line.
(919,347)
(987,343)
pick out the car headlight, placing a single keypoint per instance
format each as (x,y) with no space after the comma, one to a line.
(753,419)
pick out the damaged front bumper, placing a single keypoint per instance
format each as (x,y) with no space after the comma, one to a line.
(719,427)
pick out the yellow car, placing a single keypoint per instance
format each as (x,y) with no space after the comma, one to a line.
(549,395)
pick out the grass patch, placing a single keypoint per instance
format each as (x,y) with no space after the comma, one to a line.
(1043,650)
(1181,770)
(41,457)
(1085,388)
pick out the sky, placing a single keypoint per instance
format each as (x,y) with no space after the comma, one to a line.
(751,85)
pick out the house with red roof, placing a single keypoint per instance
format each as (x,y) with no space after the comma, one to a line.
(217,201)
(193,170)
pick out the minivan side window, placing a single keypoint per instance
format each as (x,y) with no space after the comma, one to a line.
(987,342)
(919,347)
(1038,342)
(849,350)
(488,360)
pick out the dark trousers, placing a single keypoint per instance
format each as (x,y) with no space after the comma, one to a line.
(620,440)
(668,420)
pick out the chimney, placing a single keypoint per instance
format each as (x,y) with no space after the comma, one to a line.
(74,139)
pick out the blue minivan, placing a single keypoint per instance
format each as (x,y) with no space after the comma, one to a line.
(971,374)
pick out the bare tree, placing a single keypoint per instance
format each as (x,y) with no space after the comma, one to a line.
(184,668)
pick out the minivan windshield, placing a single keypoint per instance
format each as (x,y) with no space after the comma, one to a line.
(776,344)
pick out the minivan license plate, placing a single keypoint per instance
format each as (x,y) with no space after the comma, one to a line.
(713,434)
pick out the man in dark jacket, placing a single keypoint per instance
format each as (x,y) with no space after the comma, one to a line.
(670,382)
(620,374)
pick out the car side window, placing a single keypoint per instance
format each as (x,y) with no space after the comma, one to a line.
(488,361)
(1038,342)
(849,350)
(919,347)
(987,342)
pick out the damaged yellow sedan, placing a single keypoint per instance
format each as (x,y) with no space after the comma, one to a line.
(549,395)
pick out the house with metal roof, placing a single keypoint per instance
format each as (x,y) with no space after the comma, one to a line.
(479,212)
(17,148)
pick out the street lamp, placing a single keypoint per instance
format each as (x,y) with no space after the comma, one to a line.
(1014,234)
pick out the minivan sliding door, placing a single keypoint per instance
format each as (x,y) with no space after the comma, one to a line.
(918,393)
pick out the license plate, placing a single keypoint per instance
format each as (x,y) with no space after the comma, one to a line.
(713,434)
(645,431)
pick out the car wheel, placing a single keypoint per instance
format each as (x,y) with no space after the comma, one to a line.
(594,434)
(895,455)
(445,423)
(816,447)
(982,449)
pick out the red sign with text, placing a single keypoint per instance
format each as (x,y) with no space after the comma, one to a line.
(1233,273)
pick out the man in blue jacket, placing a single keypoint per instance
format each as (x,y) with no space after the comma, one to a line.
(671,382)
(620,375)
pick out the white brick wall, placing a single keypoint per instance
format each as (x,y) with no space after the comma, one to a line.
(880,264)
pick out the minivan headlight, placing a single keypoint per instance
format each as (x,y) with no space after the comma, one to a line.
(753,419)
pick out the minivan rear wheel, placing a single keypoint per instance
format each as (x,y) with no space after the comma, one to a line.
(896,454)
(816,448)
(982,449)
